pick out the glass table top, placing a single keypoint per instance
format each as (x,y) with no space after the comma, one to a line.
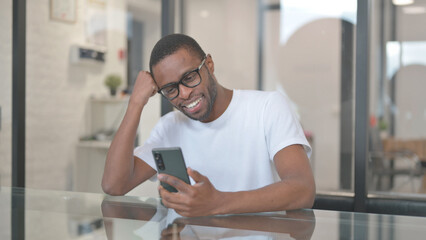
(44,214)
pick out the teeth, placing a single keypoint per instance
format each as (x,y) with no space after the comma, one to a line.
(191,105)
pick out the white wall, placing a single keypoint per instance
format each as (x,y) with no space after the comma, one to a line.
(6,92)
(307,68)
(410,119)
(411,101)
(409,110)
(6,114)
(58,92)
(227,30)
(409,27)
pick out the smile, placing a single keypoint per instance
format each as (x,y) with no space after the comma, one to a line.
(193,104)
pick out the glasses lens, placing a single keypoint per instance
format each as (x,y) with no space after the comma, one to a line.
(170,92)
(192,79)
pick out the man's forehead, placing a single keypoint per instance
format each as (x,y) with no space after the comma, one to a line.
(180,55)
(175,65)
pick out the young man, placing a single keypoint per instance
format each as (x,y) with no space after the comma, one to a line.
(245,150)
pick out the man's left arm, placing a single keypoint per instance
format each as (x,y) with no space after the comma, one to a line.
(295,190)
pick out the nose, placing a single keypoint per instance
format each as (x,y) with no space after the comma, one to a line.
(184,92)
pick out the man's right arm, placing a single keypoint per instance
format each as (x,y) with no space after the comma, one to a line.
(123,171)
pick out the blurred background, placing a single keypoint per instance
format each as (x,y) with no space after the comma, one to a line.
(82,57)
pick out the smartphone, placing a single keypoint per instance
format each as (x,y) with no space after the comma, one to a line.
(170,161)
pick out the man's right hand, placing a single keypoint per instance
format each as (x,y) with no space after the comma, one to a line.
(144,88)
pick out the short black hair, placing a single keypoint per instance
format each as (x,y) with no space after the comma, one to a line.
(170,44)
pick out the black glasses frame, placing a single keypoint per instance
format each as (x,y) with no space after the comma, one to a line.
(176,84)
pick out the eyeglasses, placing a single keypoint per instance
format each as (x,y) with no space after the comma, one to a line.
(190,79)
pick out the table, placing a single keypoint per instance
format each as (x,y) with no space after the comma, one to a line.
(42,214)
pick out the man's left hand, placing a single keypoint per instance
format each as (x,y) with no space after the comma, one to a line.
(200,199)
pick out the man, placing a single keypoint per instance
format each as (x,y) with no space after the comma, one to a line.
(245,150)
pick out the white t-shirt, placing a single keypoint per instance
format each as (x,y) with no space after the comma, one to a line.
(236,150)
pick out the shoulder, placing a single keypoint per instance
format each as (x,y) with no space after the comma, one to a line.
(268,103)
(260,97)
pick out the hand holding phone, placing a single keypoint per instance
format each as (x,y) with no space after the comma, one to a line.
(170,161)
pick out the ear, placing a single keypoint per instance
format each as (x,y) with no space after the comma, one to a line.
(209,63)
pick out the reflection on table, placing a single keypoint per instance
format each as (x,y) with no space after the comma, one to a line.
(164,224)
(41,214)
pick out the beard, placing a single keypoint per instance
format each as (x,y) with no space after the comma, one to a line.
(212,90)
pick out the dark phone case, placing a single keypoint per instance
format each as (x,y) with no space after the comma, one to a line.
(174,165)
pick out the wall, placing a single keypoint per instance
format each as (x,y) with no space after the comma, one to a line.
(227,30)
(6,92)
(408,26)
(409,108)
(307,67)
(410,117)
(6,112)
(58,92)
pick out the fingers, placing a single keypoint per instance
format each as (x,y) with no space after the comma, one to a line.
(154,90)
(175,182)
(198,177)
(189,200)
(145,76)
(178,207)
(154,86)
(173,200)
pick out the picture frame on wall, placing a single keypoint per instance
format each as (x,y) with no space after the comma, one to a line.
(63,10)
